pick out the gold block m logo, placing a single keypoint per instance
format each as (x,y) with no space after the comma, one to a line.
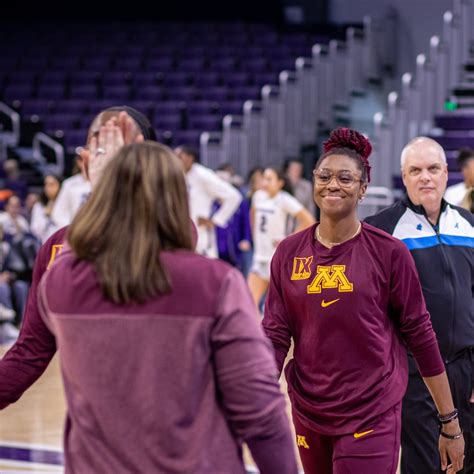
(330,277)
(301,441)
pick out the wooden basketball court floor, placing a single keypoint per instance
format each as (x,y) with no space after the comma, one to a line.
(31,429)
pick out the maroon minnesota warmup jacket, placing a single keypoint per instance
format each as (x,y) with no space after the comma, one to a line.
(352,310)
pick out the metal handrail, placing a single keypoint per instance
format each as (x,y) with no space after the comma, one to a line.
(9,138)
(41,139)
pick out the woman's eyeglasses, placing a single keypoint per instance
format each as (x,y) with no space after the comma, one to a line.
(345,179)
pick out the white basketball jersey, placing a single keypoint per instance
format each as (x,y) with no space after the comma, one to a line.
(271,215)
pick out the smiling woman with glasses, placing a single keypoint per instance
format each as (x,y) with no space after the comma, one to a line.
(349,297)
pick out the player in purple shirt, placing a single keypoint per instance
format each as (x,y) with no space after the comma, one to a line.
(349,296)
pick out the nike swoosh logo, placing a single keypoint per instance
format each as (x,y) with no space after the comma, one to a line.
(364,433)
(325,304)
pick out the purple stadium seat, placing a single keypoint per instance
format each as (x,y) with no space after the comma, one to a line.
(129,63)
(116,78)
(159,64)
(262,78)
(18,91)
(455,122)
(209,39)
(21,77)
(295,39)
(247,93)
(74,138)
(224,64)
(176,78)
(167,122)
(147,107)
(207,79)
(452,164)
(146,79)
(186,137)
(192,64)
(256,65)
(95,107)
(150,93)
(455,140)
(60,122)
(236,79)
(247,52)
(84,92)
(85,78)
(222,51)
(266,38)
(208,123)
(53,78)
(203,107)
(47,91)
(283,64)
(234,107)
(120,93)
(184,93)
(37,107)
(72,106)
(192,51)
(170,107)
(217,94)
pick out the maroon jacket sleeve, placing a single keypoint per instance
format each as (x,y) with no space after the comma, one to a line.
(414,323)
(247,382)
(28,358)
(275,322)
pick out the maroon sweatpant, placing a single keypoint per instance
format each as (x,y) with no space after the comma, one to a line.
(373,449)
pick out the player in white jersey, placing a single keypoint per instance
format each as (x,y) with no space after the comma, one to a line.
(204,188)
(73,194)
(271,208)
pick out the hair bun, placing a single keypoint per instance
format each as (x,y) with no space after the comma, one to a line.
(348,138)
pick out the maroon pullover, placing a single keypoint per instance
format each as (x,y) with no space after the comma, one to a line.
(351,310)
(174,385)
(29,357)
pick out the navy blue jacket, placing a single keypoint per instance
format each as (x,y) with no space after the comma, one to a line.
(443,255)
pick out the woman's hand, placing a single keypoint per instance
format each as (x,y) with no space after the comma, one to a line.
(451,450)
(112,136)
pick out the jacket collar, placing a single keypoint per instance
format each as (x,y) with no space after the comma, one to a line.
(420,209)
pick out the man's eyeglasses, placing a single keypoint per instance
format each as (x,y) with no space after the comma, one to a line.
(345,179)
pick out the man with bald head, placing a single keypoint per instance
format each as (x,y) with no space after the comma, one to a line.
(440,238)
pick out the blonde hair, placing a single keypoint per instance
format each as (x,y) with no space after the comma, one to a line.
(139,210)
